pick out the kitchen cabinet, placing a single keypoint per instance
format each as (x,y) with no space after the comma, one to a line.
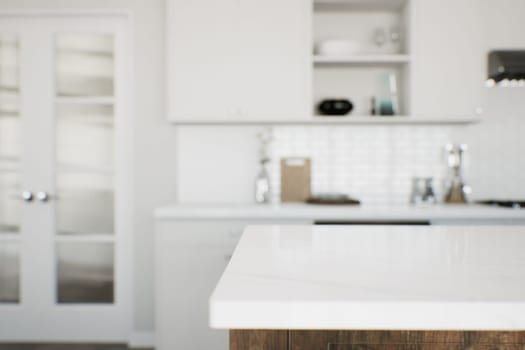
(448,70)
(190,257)
(238,60)
(65,209)
(245,62)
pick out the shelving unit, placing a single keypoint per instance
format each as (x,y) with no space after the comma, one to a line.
(363,75)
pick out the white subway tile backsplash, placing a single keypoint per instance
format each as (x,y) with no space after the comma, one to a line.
(374,164)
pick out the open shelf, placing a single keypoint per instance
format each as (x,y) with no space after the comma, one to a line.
(362,59)
(345,120)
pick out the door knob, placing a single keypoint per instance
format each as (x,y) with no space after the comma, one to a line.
(27,196)
(43,196)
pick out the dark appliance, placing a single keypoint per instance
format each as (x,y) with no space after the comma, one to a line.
(506,64)
(509,203)
(335,107)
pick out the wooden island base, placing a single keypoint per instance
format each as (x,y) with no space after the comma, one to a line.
(372,340)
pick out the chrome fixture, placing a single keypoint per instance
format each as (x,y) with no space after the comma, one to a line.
(457,190)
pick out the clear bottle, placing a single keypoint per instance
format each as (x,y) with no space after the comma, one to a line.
(262,181)
(262,185)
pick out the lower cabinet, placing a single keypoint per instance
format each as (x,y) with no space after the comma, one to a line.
(190,257)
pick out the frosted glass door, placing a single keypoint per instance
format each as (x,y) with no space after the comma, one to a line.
(10,203)
(85,168)
(64,231)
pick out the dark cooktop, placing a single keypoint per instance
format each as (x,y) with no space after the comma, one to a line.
(515,204)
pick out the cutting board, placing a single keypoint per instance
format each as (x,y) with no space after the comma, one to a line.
(295,179)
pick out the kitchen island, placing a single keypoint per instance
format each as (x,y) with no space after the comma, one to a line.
(338,287)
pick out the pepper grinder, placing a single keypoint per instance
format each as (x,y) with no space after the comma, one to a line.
(457,191)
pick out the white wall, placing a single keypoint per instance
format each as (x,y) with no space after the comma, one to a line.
(216,164)
(155,141)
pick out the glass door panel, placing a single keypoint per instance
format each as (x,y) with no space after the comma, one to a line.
(9,135)
(85,138)
(85,161)
(85,272)
(9,60)
(84,209)
(84,65)
(9,272)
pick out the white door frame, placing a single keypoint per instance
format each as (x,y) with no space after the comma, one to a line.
(66,325)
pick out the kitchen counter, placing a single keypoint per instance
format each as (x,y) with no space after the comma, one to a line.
(374,278)
(342,213)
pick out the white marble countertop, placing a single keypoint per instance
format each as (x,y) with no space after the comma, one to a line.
(374,277)
(334,212)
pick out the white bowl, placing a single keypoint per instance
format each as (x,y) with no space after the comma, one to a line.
(336,47)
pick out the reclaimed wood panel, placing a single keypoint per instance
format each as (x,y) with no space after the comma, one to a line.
(406,340)
(375,340)
(258,340)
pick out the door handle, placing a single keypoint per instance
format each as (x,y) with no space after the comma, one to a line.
(43,196)
(27,196)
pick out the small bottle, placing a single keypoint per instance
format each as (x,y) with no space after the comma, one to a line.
(262,181)
(262,186)
(388,101)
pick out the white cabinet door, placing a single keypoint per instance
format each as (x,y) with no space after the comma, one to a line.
(238,59)
(190,259)
(67,245)
(276,55)
(202,59)
(448,70)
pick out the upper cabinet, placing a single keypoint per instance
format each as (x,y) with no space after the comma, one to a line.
(238,60)
(274,61)
(448,70)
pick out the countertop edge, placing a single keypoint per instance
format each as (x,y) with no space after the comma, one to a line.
(325,212)
(464,316)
